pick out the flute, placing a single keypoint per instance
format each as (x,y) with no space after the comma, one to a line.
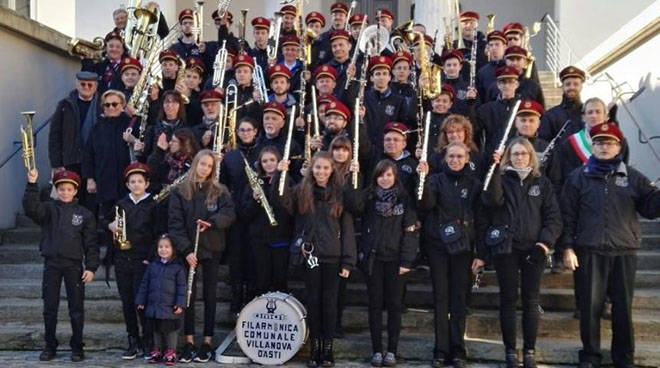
(315,113)
(356,141)
(502,144)
(191,272)
(425,153)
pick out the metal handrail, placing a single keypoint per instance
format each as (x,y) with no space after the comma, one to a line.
(558,50)
(19,149)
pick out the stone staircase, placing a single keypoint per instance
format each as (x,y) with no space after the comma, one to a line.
(551,93)
(21,310)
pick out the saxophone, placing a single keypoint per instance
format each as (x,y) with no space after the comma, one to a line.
(167,190)
(430,73)
(121,238)
(255,184)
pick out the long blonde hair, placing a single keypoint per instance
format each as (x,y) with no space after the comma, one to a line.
(533,160)
(193,183)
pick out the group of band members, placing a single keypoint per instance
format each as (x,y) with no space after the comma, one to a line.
(562,184)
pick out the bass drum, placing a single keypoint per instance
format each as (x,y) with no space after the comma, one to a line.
(271,328)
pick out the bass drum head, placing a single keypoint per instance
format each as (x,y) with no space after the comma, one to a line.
(271,328)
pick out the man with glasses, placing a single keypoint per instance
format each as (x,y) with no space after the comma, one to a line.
(71,125)
(600,205)
(395,141)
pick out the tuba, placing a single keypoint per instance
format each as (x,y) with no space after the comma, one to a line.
(144,34)
(27,137)
(373,40)
(402,36)
(274,36)
(127,33)
(87,50)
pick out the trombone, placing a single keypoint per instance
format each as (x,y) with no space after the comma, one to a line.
(27,135)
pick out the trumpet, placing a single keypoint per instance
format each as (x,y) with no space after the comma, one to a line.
(198,21)
(120,236)
(180,76)
(223,7)
(260,83)
(255,184)
(241,31)
(274,36)
(219,66)
(231,107)
(27,135)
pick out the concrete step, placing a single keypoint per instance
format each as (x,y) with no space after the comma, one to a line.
(415,349)
(481,323)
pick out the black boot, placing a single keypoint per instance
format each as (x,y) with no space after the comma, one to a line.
(528,359)
(511,358)
(147,346)
(314,351)
(132,350)
(236,298)
(47,354)
(327,359)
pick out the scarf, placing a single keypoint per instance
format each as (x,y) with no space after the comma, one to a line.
(177,164)
(602,168)
(522,173)
(387,203)
(89,121)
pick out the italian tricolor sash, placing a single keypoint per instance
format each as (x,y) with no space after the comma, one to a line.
(581,145)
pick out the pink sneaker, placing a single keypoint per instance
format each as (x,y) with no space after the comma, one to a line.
(155,356)
(170,357)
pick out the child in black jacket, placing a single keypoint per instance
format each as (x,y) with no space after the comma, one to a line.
(70,250)
(163,294)
(387,249)
(326,235)
(201,197)
(269,243)
(138,213)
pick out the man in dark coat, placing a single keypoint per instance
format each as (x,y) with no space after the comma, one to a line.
(600,205)
(569,112)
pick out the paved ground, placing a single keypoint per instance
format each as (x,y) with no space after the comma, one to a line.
(113,359)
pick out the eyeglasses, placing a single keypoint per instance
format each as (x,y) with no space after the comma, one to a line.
(87,84)
(519,154)
(113,104)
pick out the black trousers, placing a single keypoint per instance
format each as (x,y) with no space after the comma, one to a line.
(55,270)
(385,285)
(129,273)
(239,255)
(271,267)
(209,268)
(604,276)
(513,270)
(321,288)
(450,276)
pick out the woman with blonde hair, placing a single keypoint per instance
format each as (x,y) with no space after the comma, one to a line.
(524,223)
(201,197)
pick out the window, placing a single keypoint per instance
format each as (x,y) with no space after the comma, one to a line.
(22,7)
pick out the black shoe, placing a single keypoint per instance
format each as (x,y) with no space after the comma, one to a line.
(236,298)
(204,354)
(528,359)
(314,351)
(511,359)
(47,354)
(188,353)
(459,363)
(77,356)
(327,358)
(132,350)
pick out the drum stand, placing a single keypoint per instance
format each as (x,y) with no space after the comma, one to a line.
(229,359)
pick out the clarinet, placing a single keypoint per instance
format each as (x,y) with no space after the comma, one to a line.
(546,153)
(473,60)
(191,272)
